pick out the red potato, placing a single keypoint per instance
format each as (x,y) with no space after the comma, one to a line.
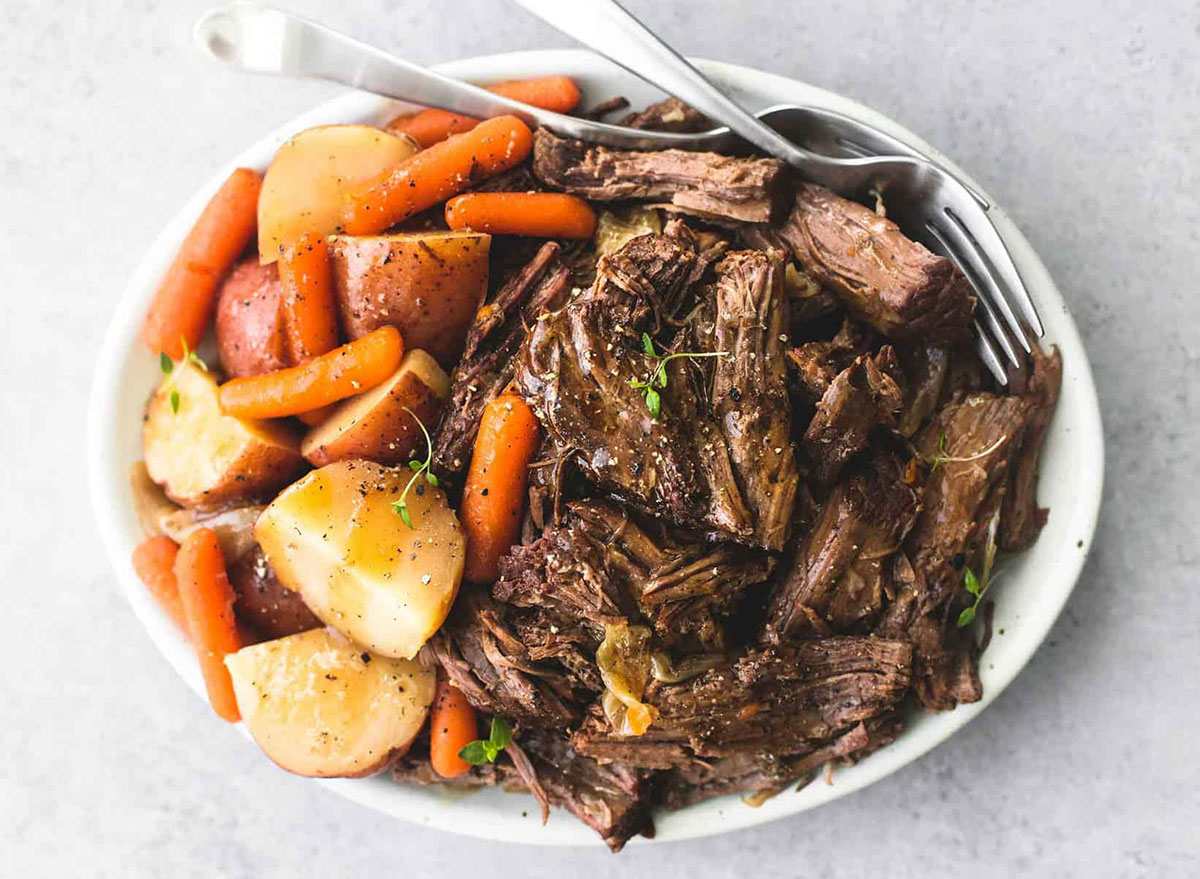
(249,325)
(264,603)
(375,425)
(427,284)
(204,458)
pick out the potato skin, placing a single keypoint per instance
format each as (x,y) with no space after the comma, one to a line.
(263,602)
(427,284)
(249,322)
(375,425)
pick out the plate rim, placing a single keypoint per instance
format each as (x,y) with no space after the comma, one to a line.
(445,811)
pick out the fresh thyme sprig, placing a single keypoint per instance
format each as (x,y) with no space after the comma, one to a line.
(972,585)
(487,750)
(943,455)
(658,377)
(167,365)
(419,468)
(977,586)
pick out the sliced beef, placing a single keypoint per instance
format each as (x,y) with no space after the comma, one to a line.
(971,445)
(749,190)
(604,566)
(671,114)
(1020,517)
(518,179)
(791,699)
(485,657)
(862,396)
(749,387)
(488,361)
(885,279)
(834,579)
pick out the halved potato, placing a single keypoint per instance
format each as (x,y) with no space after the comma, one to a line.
(427,284)
(203,457)
(304,184)
(319,706)
(335,538)
(375,424)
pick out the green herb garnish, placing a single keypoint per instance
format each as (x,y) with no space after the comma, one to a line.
(419,468)
(943,455)
(658,378)
(167,365)
(487,750)
(971,584)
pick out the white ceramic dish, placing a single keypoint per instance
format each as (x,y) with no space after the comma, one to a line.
(1033,592)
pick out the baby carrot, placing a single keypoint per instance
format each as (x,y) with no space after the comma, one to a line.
(452,725)
(309,308)
(539,214)
(557,93)
(187,295)
(494,494)
(154,562)
(433,175)
(208,604)
(335,375)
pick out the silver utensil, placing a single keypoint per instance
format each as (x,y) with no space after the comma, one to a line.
(261,39)
(922,197)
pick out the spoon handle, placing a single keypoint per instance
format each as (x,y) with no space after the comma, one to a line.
(608,28)
(261,39)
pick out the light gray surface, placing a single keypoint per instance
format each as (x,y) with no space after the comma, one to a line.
(1083,123)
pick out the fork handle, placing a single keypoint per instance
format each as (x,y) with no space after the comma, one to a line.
(608,28)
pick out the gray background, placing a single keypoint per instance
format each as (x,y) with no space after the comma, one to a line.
(1083,119)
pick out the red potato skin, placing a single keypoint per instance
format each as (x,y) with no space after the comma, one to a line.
(249,322)
(265,604)
(428,292)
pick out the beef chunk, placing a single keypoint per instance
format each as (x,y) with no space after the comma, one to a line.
(960,505)
(613,800)
(885,279)
(814,365)
(1020,517)
(604,566)
(861,396)
(761,776)
(747,190)
(749,388)
(487,364)
(925,366)
(671,114)
(834,579)
(791,699)
(483,655)
(576,370)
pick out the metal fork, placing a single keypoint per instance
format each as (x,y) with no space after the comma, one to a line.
(922,197)
(264,40)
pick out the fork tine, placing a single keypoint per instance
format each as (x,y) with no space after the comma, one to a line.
(987,353)
(961,249)
(992,322)
(985,237)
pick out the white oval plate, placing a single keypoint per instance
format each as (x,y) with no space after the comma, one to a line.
(1035,587)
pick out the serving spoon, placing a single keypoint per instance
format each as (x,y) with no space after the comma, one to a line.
(262,39)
